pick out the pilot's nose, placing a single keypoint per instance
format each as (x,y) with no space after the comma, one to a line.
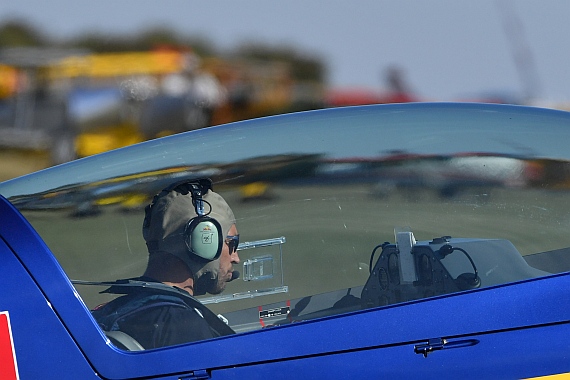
(235,257)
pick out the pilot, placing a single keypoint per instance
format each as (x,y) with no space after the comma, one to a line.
(192,240)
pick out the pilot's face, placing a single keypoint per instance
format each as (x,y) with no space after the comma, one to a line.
(227,259)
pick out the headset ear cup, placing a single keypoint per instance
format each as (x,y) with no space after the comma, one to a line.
(203,238)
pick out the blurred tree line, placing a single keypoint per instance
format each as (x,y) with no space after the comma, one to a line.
(150,97)
(305,67)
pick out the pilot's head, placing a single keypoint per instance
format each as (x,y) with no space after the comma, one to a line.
(207,244)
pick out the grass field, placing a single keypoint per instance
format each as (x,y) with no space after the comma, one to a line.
(15,163)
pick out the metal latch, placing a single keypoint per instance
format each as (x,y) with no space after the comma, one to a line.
(200,374)
(433,344)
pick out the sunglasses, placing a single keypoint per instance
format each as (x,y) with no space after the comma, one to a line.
(232,242)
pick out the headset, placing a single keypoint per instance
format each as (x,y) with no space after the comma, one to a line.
(203,234)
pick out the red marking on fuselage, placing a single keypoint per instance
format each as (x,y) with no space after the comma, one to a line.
(8,366)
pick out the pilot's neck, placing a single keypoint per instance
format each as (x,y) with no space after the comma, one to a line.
(170,270)
(186,285)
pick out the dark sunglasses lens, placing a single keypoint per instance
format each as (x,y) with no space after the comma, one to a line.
(233,243)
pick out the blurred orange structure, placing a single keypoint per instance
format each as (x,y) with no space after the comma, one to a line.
(108,100)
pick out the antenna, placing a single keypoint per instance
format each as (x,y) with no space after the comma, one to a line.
(520,50)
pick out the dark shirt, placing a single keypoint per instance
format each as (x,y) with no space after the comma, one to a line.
(157,318)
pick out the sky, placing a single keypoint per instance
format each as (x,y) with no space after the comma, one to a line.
(447,49)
